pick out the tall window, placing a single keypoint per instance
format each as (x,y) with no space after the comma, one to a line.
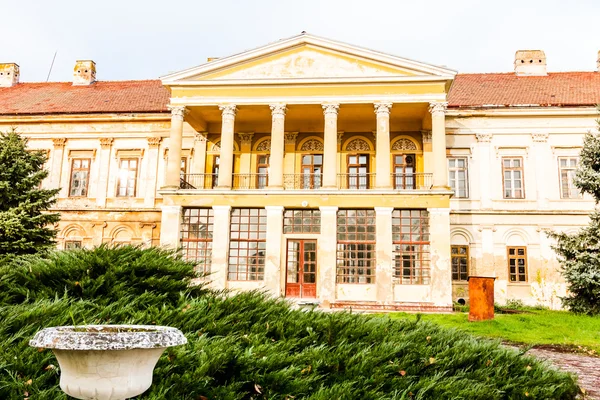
(404,171)
(358,171)
(312,167)
(127,177)
(197,236)
(460,262)
(356,246)
(567,167)
(215,171)
(80,173)
(262,179)
(302,221)
(517,264)
(247,244)
(512,173)
(457,177)
(72,244)
(183,166)
(410,236)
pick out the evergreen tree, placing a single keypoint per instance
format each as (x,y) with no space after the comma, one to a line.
(25,223)
(579,253)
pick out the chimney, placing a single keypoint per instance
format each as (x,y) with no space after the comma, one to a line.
(84,73)
(530,63)
(9,74)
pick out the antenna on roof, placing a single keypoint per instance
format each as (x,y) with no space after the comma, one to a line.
(51,65)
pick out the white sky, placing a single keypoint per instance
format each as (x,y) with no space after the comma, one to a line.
(144,39)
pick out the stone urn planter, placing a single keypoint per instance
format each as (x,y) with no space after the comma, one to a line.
(107,362)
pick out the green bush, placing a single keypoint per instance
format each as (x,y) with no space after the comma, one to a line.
(247,346)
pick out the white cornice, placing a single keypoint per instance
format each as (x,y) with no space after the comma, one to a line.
(528,111)
(309,39)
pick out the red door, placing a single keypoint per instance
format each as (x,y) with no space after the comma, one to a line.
(301,276)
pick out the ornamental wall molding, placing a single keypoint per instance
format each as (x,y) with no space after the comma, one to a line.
(404,144)
(484,137)
(154,142)
(426,136)
(246,138)
(216,146)
(358,145)
(105,143)
(59,142)
(312,145)
(200,137)
(340,135)
(290,137)
(540,137)
(265,145)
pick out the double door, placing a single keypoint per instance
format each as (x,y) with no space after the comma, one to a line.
(301,274)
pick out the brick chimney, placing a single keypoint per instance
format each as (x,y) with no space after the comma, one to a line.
(84,73)
(530,63)
(9,74)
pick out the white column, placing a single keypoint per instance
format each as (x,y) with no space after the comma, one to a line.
(327,256)
(541,151)
(220,247)
(384,255)
(152,163)
(273,275)
(383,178)
(57,162)
(226,155)
(441,273)
(170,226)
(277,146)
(175,140)
(330,146)
(199,164)
(483,160)
(438,144)
(104,170)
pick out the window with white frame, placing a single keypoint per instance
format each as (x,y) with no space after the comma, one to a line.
(512,177)
(127,183)
(567,167)
(458,176)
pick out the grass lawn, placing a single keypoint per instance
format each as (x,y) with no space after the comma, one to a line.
(559,328)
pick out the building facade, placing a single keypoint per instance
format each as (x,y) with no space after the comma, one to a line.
(323,172)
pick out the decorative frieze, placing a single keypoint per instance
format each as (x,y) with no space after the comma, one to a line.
(246,138)
(290,137)
(484,137)
(358,145)
(154,142)
(404,144)
(265,145)
(539,137)
(105,143)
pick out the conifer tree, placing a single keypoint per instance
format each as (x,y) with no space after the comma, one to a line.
(25,223)
(579,253)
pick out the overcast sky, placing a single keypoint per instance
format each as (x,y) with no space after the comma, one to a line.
(144,39)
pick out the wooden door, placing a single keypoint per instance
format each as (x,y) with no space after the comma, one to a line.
(301,275)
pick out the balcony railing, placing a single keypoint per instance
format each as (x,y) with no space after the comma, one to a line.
(302,181)
(358,181)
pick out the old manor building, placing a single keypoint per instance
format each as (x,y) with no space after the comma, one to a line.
(322,171)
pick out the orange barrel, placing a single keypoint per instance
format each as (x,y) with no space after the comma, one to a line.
(481,298)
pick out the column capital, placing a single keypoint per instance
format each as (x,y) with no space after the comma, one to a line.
(290,137)
(426,136)
(331,108)
(438,107)
(484,137)
(200,136)
(105,143)
(228,110)
(177,112)
(278,109)
(154,142)
(246,138)
(340,136)
(539,137)
(59,142)
(383,108)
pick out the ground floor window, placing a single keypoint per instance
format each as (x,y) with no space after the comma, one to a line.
(460,262)
(197,236)
(410,235)
(247,244)
(517,263)
(72,244)
(356,246)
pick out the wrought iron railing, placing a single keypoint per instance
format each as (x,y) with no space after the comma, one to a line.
(250,181)
(412,181)
(358,181)
(302,181)
(198,181)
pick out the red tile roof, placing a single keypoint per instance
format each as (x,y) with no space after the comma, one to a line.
(507,89)
(99,97)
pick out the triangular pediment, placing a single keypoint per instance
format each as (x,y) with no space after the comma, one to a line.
(307,57)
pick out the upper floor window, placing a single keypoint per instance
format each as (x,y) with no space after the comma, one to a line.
(460,262)
(457,177)
(517,263)
(512,174)
(80,174)
(312,168)
(126,186)
(404,171)
(262,168)
(567,167)
(215,171)
(358,171)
